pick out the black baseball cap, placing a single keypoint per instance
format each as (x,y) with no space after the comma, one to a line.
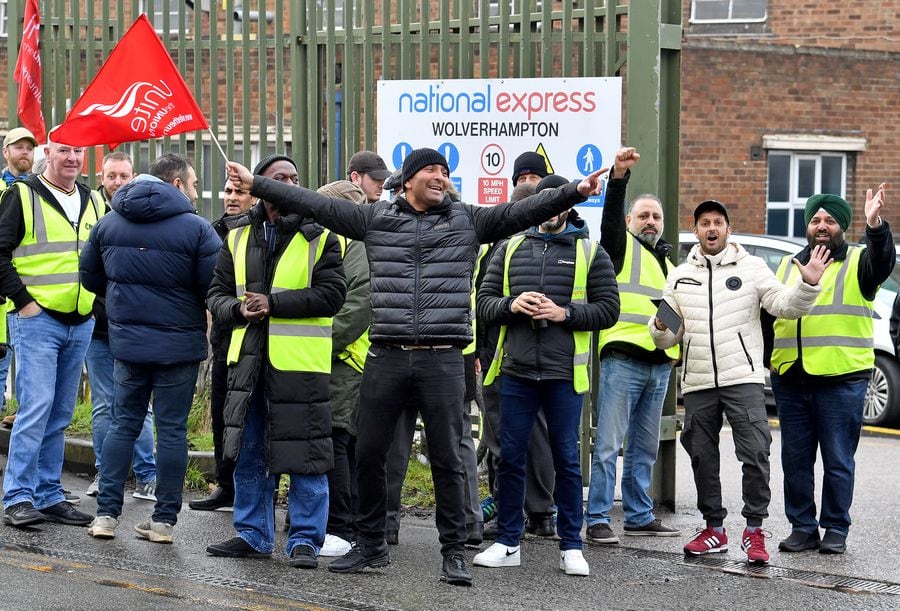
(367,162)
(710,205)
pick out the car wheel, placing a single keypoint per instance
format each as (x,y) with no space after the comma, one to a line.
(882,405)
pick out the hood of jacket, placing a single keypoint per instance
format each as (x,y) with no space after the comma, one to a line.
(576,229)
(147,199)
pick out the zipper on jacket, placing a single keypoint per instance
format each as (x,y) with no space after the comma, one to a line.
(746,353)
(684,367)
(712,341)
(418,280)
(537,339)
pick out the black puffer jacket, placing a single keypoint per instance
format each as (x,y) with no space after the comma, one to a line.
(220,330)
(421,263)
(298,422)
(546,263)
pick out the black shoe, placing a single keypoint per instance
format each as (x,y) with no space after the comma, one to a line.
(218,499)
(454,570)
(361,556)
(22,514)
(64,513)
(304,557)
(800,541)
(540,525)
(234,548)
(392,537)
(475,534)
(833,543)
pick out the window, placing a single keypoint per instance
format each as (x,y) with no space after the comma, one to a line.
(727,11)
(793,177)
(157,18)
(4,32)
(338,13)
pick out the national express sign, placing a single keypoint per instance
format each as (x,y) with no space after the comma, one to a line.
(482,125)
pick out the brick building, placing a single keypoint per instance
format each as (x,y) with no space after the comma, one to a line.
(784,98)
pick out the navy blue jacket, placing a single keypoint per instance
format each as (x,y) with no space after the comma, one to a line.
(152,258)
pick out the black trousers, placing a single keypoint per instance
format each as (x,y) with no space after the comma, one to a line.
(342,494)
(432,381)
(218,389)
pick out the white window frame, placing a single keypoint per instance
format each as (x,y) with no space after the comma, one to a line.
(795,200)
(729,19)
(4,18)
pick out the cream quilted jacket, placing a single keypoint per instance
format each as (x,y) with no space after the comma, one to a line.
(719,297)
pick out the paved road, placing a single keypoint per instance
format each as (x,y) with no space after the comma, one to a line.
(61,567)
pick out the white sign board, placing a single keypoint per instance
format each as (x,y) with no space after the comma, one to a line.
(482,125)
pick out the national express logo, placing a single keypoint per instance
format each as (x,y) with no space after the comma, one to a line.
(530,103)
(146,103)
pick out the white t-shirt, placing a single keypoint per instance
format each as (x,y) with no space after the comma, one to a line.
(70,202)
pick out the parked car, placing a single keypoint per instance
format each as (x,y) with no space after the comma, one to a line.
(882,406)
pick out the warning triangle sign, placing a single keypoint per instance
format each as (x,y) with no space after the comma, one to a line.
(543,153)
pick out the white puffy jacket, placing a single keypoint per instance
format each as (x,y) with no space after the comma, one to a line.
(718,297)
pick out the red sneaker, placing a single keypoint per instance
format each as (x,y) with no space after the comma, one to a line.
(754,543)
(708,541)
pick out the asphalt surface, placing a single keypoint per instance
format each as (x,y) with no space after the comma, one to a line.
(60,567)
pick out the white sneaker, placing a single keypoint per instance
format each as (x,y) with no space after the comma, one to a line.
(103,527)
(498,555)
(573,563)
(145,491)
(334,546)
(158,532)
(94,488)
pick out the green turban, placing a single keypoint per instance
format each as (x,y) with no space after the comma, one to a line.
(834,205)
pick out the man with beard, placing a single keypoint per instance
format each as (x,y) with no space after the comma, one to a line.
(821,366)
(717,292)
(18,152)
(634,373)
(549,288)
(422,250)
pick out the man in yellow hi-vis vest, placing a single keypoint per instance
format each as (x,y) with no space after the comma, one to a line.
(821,367)
(44,221)
(279,279)
(634,373)
(549,288)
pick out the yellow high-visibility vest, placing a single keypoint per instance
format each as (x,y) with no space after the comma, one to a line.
(640,280)
(482,251)
(354,355)
(584,256)
(47,257)
(294,344)
(837,335)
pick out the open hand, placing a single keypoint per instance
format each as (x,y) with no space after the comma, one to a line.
(819,260)
(874,204)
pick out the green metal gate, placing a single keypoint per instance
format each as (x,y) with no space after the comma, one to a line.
(275,75)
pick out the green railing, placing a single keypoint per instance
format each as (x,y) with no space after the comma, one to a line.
(299,76)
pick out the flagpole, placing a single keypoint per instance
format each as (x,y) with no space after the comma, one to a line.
(216,142)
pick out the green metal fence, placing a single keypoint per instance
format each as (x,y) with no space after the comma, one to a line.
(299,76)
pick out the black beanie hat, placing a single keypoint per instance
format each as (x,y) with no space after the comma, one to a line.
(551,181)
(529,163)
(267,161)
(418,159)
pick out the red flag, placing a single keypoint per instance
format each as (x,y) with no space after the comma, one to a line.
(28,73)
(117,108)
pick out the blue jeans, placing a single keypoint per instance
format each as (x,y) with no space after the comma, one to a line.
(49,359)
(520,400)
(827,417)
(254,488)
(5,362)
(630,407)
(99,363)
(172,387)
